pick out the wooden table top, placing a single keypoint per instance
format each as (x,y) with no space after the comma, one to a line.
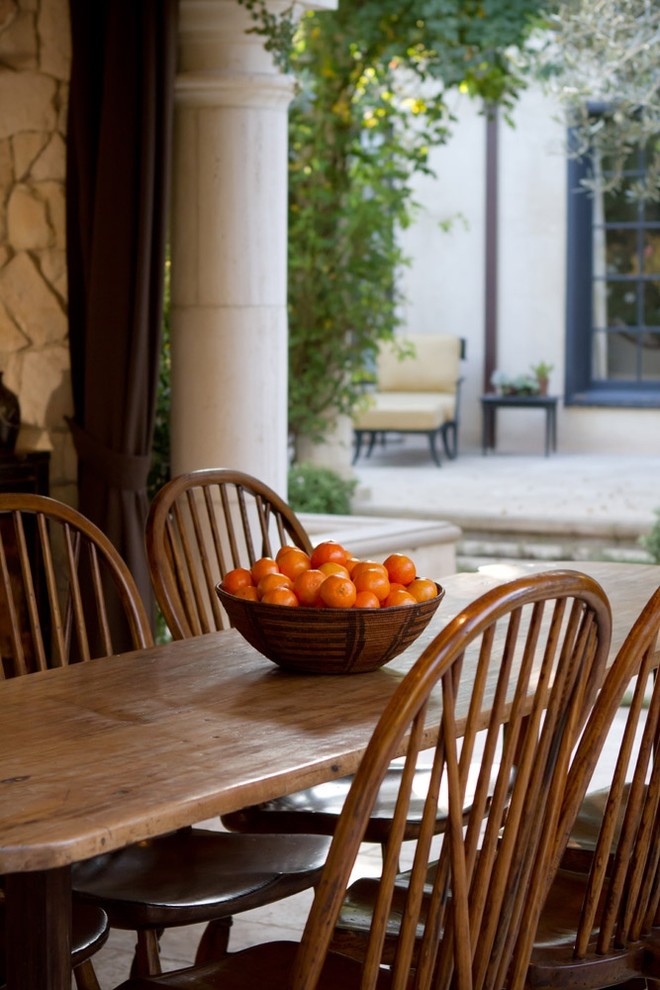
(102,754)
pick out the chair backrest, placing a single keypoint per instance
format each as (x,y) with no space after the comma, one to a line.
(200,526)
(528,655)
(622,893)
(434,366)
(64,589)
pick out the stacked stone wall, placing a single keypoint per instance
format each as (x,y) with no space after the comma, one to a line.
(35,57)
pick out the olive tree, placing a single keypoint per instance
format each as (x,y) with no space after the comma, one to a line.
(601,59)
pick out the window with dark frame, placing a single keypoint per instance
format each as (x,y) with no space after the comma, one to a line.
(613,289)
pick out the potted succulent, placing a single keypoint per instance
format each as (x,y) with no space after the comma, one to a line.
(520,385)
(541,372)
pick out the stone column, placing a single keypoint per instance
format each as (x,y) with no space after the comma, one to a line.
(229,247)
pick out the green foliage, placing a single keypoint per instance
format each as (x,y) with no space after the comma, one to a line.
(318,489)
(372,81)
(515,385)
(277,31)
(651,542)
(542,369)
(605,54)
(160,456)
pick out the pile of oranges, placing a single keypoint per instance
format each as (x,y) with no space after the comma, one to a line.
(330,577)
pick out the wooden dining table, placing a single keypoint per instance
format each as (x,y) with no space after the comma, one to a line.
(99,755)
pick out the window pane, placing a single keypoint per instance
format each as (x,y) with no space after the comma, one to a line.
(652,304)
(652,252)
(651,356)
(622,355)
(620,305)
(620,209)
(651,211)
(614,356)
(599,356)
(621,252)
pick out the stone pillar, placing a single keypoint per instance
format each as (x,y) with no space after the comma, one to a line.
(229,247)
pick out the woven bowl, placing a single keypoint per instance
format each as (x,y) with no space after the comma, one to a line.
(328,641)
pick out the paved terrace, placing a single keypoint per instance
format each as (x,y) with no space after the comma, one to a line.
(566,506)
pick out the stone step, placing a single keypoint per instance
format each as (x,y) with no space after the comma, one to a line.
(475,550)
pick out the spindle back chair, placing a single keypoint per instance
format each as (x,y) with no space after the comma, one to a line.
(66,590)
(536,650)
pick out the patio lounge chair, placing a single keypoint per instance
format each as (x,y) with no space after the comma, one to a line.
(415,394)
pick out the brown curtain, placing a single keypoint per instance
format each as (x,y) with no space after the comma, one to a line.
(118,163)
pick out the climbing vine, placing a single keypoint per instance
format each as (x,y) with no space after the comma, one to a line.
(372,84)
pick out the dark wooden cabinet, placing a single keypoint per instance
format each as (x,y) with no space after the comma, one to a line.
(25,471)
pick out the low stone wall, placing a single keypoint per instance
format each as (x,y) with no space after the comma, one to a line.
(431,543)
(35,56)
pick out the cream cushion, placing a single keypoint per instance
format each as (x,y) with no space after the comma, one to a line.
(406,411)
(435,366)
(416,392)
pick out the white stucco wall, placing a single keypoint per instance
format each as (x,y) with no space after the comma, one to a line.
(445,283)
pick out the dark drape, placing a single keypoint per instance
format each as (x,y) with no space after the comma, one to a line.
(118,164)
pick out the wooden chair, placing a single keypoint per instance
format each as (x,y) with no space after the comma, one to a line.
(200,525)
(589,821)
(59,604)
(89,933)
(539,646)
(419,393)
(603,900)
(597,927)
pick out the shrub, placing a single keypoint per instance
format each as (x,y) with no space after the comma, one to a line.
(159,472)
(651,542)
(319,489)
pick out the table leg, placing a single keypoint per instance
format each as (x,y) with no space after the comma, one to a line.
(38,930)
(554,427)
(487,428)
(550,428)
(358,445)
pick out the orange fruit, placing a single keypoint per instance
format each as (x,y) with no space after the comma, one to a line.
(351,563)
(400,568)
(280,596)
(293,562)
(422,589)
(327,551)
(362,565)
(237,578)
(248,592)
(270,581)
(338,592)
(366,599)
(263,566)
(399,597)
(284,549)
(331,567)
(306,586)
(373,579)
